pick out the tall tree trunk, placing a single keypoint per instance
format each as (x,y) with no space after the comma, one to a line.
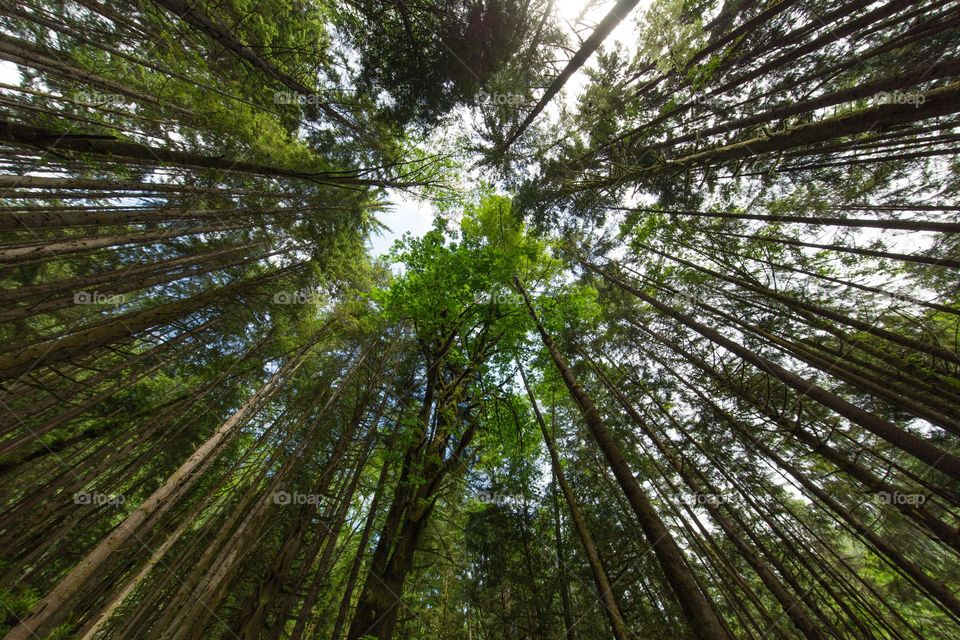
(570,632)
(85,341)
(792,607)
(56,605)
(914,445)
(21,134)
(358,558)
(699,613)
(604,589)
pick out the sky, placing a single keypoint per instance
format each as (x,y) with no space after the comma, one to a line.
(405,214)
(9,73)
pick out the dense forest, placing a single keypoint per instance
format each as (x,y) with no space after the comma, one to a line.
(678,359)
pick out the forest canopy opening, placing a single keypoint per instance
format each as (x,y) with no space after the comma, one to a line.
(666,343)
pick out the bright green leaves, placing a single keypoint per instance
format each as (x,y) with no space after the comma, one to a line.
(571,310)
(491,226)
(435,281)
(462,279)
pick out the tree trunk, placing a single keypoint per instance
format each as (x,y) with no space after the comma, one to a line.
(604,589)
(914,445)
(697,610)
(55,606)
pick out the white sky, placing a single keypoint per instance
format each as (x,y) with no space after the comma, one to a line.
(405,215)
(9,74)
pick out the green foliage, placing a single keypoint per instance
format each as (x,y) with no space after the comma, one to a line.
(405,391)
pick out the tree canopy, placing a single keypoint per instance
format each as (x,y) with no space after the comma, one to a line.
(679,356)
